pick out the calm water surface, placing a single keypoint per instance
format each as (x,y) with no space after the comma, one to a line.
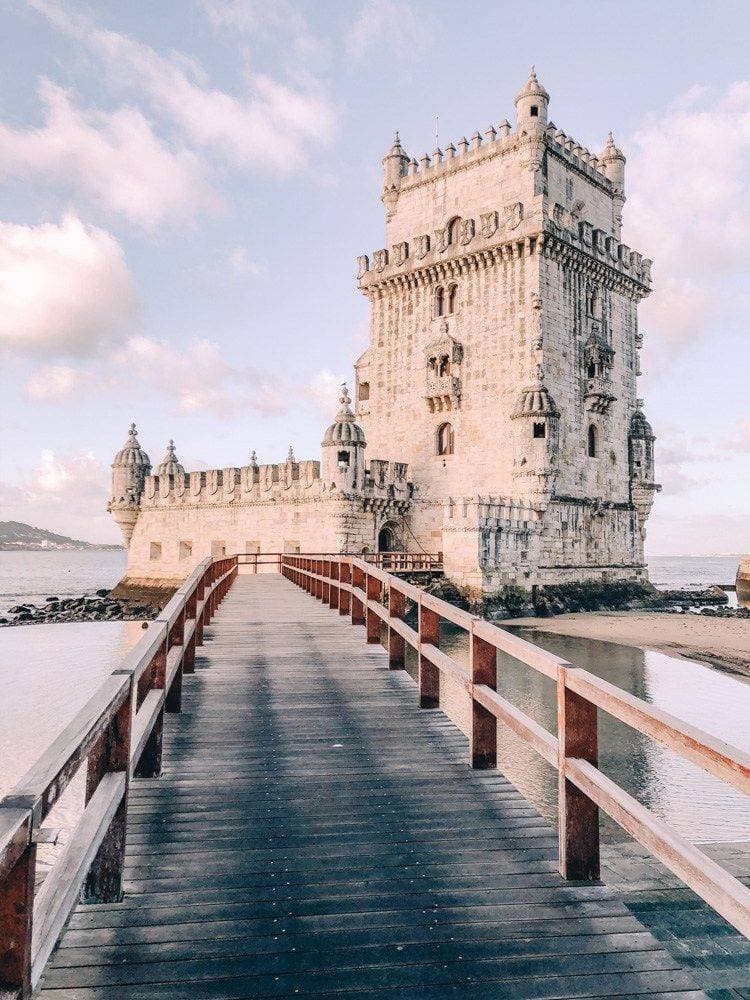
(698,806)
(34,576)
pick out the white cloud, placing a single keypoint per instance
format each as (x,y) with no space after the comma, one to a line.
(64,289)
(689,209)
(240,262)
(324,391)
(270,126)
(387,24)
(53,383)
(65,493)
(199,378)
(115,158)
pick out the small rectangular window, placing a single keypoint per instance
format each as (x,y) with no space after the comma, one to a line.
(291,546)
(155,550)
(253,546)
(218,549)
(540,430)
(534,111)
(186,550)
(364,391)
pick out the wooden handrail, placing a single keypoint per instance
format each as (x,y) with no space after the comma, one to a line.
(117,733)
(371,596)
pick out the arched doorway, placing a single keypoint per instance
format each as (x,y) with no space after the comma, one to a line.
(389,538)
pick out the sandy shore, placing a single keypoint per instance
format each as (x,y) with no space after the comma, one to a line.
(722,642)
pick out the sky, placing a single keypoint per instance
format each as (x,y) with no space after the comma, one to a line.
(185,186)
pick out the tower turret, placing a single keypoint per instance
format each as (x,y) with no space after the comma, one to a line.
(395,165)
(643,486)
(612,161)
(169,465)
(344,449)
(532,104)
(129,470)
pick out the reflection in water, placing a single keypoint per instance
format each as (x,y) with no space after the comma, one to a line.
(696,805)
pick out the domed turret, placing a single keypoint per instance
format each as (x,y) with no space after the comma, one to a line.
(612,161)
(343,448)
(643,485)
(169,465)
(395,165)
(129,471)
(640,428)
(536,438)
(532,103)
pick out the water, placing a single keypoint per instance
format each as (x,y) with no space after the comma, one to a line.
(692,572)
(696,805)
(34,576)
(47,673)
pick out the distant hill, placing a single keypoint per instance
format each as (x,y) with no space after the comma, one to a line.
(18,537)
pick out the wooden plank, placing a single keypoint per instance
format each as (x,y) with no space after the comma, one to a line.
(62,886)
(43,783)
(724,761)
(727,895)
(315,831)
(521,724)
(143,724)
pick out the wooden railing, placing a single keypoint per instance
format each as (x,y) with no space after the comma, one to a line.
(117,733)
(394,562)
(371,596)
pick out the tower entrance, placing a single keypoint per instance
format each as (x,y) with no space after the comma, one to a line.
(389,538)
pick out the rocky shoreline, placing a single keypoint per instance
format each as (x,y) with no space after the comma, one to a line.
(97,607)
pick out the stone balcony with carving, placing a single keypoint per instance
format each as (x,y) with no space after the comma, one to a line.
(443,392)
(599,395)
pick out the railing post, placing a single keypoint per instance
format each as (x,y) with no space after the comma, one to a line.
(111,753)
(17,912)
(345,597)
(149,766)
(325,592)
(483,733)
(200,593)
(578,825)
(334,595)
(429,675)
(173,700)
(358,608)
(396,642)
(373,590)
(188,660)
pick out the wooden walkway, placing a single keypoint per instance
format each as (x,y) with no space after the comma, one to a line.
(314,834)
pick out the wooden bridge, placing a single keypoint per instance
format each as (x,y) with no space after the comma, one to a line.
(284,814)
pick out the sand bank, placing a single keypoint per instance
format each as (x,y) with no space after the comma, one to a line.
(722,642)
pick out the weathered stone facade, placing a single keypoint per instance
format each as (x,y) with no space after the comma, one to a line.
(501,372)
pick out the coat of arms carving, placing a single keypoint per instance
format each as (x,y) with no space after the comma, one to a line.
(488,222)
(380,258)
(513,215)
(423,246)
(441,239)
(400,253)
(467,231)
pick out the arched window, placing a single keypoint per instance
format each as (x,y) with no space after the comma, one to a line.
(445,365)
(454,230)
(439,301)
(593,441)
(452,299)
(444,439)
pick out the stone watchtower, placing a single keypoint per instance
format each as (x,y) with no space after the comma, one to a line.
(130,467)
(504,353)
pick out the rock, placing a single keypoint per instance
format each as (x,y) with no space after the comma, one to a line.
(102,593)
(52,600)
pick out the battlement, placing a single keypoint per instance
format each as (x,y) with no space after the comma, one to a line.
(498,142)
(503,233)
(260,483)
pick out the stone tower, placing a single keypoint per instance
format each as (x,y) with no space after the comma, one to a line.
(503,353)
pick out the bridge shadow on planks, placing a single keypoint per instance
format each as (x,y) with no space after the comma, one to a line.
(314,833)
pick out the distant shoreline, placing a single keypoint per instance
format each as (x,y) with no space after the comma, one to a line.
(85,547)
